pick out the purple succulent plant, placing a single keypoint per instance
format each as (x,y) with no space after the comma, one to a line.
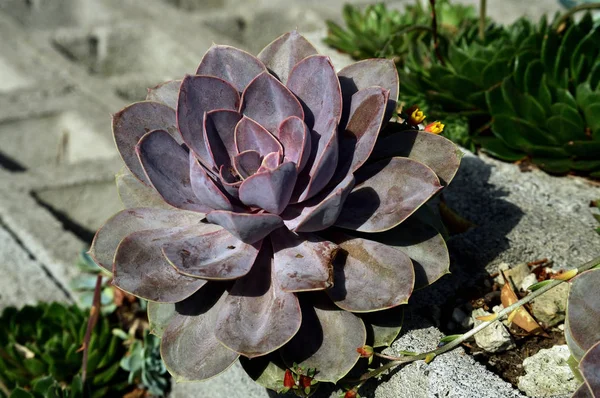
(265,214)
(582,330)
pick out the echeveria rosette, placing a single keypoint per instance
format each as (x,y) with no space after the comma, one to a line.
(582,330)
(259,210)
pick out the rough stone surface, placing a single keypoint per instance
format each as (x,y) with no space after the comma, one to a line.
(529,280)
(550,308)
(494,338)
(548,374)
(233,383)
(541,216)
(24,280)
(453,374)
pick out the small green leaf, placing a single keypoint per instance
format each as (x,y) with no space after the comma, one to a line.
(497,104)
(447,339)
(531,110)
(549,52)
(539,285)
(497,148)
(518,133)
(20,393)
(584,149)
(566,97)
(592,119)
(553,166)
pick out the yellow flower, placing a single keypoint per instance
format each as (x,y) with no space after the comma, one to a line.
(435,127)
(416,115)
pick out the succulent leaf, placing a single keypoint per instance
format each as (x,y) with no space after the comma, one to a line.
(159,316)
(251,136)
(362,130)
(369,275)
(214,255)
(590,368)
(303,262)
(283,53)
(233,65)
(248,228)
(206,191)
(369,73)
(191,330)
(165,93)
(383,326)
(247,163)
(169,175)
(583,312)
(125,222)
(219,127)
(141,269)
(134,193)
(434,151)
(320,212)
(198,95)
(133,122)
(373,204)
(326,341)
(270,190)
(268,102)
(258,317)
(425,247)
(294,136)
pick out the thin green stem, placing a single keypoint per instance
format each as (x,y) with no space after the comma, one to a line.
(454,343)
(94,313)
(576,9)
(482,13)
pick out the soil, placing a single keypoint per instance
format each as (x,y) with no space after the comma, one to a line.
(509,364)
(486,294)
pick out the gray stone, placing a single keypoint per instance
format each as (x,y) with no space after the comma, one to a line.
(233,383)
(550,308)
(541,216)
(494,338)
(548,374)
(514,274)
(453,374)
(529,280)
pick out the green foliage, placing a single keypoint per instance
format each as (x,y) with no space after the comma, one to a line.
(379,32)
(548,108)
(528,90)
(145,366)
(85,284)
(40,353)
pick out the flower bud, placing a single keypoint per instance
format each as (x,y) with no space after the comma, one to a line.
(434,128)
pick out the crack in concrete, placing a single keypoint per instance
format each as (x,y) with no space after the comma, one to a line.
(45,269)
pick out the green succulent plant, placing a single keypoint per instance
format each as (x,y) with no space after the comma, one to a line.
(548,109)
(144,364)
(379,32)
(40,354)
(528,90)
(85,283)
